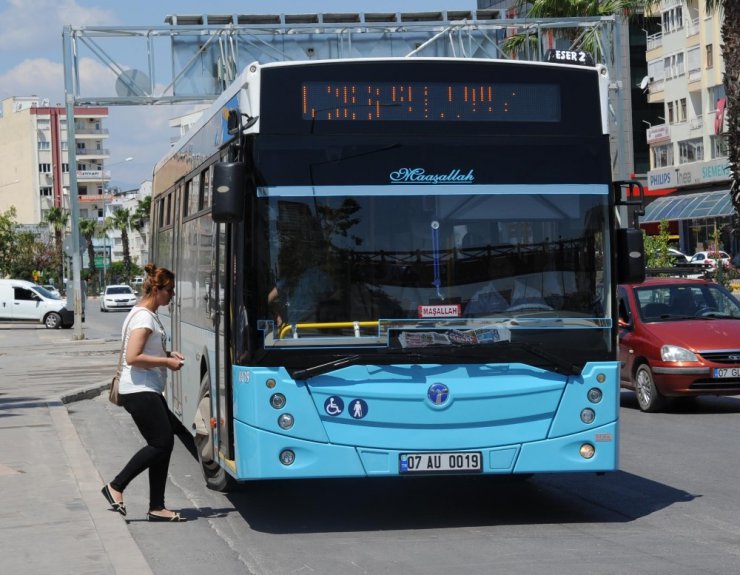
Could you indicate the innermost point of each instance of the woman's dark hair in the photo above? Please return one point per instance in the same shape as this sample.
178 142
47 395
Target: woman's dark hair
157 277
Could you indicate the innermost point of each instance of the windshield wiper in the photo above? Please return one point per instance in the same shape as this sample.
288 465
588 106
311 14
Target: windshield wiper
309 372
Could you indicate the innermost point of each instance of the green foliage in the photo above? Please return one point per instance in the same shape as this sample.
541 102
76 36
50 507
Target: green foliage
7 240
21 253
656 247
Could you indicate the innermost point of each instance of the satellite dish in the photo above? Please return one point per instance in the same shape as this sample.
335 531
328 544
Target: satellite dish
644 82
132 83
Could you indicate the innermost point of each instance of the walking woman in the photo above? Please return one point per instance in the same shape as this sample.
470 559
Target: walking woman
141 387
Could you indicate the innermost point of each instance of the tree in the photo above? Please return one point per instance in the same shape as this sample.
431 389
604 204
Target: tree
121 221
88 228
581 38
7 240
57 219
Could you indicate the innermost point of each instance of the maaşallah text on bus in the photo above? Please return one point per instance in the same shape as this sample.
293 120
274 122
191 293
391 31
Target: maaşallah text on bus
382 273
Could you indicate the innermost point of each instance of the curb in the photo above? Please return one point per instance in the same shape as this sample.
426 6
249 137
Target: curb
122 550
82 393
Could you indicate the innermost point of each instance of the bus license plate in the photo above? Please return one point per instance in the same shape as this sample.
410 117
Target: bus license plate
449 462
721 372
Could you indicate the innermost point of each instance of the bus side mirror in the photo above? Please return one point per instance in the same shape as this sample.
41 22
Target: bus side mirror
229 191
630 256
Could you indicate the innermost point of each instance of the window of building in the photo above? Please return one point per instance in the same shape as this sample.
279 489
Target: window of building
45 191
691 151
662 155
715 93
669 109
65 168
710 56
45 168
682 110
672 19
719 146
44 146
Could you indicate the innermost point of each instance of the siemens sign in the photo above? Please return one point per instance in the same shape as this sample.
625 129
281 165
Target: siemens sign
693 174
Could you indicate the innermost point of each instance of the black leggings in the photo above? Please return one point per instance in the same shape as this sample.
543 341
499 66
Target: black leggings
153 418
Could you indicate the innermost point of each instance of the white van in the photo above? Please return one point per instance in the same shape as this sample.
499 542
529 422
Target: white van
22 300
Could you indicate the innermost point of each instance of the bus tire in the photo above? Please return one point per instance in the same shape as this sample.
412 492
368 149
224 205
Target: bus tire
215 476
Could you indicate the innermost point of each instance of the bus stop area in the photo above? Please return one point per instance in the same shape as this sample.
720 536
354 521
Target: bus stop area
53 518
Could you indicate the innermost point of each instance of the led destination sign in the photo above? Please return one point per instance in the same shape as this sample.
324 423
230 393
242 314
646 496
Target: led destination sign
430 101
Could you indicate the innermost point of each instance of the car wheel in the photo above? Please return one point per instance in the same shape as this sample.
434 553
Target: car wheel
215 475
648 397
53 320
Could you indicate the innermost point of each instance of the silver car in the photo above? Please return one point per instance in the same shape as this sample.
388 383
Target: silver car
117 297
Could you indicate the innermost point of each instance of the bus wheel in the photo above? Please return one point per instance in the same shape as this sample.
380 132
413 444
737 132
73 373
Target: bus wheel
215 475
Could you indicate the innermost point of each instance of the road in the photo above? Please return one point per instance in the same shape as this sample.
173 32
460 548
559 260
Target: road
674 508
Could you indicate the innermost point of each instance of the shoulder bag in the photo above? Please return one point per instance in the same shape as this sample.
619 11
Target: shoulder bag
113 395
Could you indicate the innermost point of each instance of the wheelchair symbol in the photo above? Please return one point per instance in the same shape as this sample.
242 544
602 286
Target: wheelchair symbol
334 406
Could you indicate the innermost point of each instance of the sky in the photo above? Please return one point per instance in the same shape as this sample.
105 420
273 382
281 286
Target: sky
31 59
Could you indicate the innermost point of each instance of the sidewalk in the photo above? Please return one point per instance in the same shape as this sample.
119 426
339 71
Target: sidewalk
53 518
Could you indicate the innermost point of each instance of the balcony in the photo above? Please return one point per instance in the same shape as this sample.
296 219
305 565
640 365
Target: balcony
654 41
692 27
93 153
87 131
696 123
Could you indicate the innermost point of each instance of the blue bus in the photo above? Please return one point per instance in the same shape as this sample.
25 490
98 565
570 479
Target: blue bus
397 267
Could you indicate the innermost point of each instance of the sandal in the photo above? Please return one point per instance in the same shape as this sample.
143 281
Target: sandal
119 506
168 519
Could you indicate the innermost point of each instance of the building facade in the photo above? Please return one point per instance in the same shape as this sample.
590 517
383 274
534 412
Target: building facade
34 165
689 176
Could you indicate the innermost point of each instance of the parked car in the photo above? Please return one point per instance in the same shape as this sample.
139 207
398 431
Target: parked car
52 290
117 297
707 259
677 257
678 338
22 300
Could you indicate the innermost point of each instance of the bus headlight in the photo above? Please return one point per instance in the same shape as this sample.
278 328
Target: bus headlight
587 451
287 457
277 400
588 415
285 421
594 395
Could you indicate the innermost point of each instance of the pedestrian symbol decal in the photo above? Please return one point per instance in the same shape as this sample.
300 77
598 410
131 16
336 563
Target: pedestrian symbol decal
357 408
334 406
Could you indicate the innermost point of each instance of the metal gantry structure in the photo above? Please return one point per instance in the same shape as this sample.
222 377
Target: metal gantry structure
191 59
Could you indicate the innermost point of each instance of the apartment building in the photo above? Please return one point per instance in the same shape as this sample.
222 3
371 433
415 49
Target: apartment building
34 165
689 173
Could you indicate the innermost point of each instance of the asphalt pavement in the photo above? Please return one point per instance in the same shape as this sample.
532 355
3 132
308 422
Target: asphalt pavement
53 518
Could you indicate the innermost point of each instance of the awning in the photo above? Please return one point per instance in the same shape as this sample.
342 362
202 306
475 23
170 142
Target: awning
689 207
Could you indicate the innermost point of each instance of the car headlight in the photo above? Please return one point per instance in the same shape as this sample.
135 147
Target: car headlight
675 353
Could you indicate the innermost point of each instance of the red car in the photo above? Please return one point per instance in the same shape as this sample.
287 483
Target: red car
678 337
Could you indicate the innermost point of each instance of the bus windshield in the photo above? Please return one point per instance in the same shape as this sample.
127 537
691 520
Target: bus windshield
374 268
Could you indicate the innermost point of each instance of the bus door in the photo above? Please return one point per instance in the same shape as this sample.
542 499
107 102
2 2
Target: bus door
175 310
220 315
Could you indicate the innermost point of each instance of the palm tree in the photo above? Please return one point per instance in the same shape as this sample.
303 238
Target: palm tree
57 219
140 217
121 220
731 57
88 228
